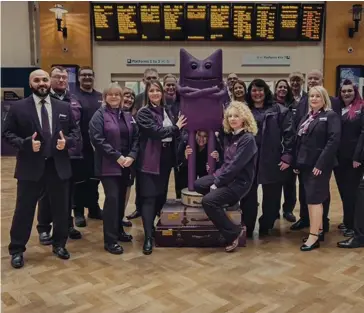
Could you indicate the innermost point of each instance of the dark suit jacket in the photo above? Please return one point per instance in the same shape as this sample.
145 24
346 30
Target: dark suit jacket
319 146
139 101
21 123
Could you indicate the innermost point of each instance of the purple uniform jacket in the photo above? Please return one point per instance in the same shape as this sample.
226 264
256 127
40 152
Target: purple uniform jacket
104 131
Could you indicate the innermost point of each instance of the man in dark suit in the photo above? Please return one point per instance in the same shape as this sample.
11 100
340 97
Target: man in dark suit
42 130
314 78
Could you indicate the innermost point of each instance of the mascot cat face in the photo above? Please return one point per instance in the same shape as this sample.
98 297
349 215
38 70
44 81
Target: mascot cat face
200 74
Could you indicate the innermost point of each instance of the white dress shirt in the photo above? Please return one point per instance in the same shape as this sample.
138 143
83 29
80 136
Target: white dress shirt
48 105
166 123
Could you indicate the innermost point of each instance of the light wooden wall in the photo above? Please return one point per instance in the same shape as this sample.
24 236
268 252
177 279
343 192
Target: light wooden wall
78 43
337 40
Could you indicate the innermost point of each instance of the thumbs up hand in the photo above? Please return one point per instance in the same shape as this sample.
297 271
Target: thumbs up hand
61 143
35 143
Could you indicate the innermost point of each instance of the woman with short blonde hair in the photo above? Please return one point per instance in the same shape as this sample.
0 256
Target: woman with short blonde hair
324 95
243 110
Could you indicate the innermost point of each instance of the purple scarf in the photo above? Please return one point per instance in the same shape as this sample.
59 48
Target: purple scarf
306 124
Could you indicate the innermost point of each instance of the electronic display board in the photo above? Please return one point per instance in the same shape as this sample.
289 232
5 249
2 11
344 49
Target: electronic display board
151 27
127 21
288 21
215 21
266 18
242 21
173 21
104 21
196 21
220 20
312 20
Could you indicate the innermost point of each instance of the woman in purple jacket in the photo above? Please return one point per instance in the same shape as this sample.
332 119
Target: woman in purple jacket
158 154
233 180
114 135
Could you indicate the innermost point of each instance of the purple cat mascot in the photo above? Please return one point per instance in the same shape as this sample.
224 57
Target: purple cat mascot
202 92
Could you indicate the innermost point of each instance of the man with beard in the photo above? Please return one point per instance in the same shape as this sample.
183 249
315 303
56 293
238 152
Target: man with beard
42 129
90 101
314 78
59 86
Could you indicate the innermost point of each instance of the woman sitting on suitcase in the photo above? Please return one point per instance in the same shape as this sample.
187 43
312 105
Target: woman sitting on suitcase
234 178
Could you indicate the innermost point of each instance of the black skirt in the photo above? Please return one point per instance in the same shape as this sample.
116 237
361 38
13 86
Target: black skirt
317 188
150 185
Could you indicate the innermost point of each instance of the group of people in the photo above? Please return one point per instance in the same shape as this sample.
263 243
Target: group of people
67 143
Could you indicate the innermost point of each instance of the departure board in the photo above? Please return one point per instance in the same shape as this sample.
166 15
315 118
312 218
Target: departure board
288 21
242 16
220 19
173 19
266 17
312 20
104 22
127 21
196 22
150 21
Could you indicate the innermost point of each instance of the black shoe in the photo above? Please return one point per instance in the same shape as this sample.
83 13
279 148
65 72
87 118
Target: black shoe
134 215
316 245
349 233
113 248
80 221
61 252
124 237
126 223
74 233
264 232
45 239
17 260
321 236
351 243
300 224
289 217
341 226
148 246
95 214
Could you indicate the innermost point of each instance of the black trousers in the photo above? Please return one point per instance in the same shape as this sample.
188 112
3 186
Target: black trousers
114 206
304 215
213 202
150 206
359 212
89 192
270 206
28 193
348 180
289 192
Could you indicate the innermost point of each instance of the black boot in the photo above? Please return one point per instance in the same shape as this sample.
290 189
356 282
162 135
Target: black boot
148 245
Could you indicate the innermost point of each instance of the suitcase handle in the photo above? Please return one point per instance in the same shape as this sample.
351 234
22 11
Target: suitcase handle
201 237
200 219
195 202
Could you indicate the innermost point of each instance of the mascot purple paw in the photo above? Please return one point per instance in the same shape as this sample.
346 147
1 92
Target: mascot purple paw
202 93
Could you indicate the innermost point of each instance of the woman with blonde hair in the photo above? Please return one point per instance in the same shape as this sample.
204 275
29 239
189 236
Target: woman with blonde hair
114 135
234 178
317 142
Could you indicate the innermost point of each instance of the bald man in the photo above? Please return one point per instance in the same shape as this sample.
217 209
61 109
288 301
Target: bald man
42 129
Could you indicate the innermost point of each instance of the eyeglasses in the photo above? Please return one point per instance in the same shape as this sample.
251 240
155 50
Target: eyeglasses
87 75
59 77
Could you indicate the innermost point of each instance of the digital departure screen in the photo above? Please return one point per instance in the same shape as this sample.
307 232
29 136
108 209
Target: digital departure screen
150 21
214 21
104 22
196 22
173 19
289 21
220 20
242 20
127 17
266 17
312 21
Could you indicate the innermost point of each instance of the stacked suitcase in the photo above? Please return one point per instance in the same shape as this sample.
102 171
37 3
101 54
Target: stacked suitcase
185 224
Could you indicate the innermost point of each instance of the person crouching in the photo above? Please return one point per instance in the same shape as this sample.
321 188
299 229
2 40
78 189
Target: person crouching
234 178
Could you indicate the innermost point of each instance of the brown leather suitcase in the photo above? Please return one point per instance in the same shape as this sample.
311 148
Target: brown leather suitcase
177 214
191 236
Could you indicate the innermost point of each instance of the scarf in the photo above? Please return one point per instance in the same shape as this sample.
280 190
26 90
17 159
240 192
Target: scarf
306 124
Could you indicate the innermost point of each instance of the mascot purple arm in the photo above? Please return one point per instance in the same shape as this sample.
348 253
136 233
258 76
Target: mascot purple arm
202 92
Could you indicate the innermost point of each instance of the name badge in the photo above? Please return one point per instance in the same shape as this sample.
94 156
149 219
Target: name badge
358 111
323 118
62 116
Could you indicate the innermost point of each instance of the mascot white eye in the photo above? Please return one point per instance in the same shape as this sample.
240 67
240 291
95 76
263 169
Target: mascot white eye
194 65
208 65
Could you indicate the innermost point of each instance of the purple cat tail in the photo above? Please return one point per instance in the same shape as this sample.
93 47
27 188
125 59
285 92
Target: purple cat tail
192 161
211 148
